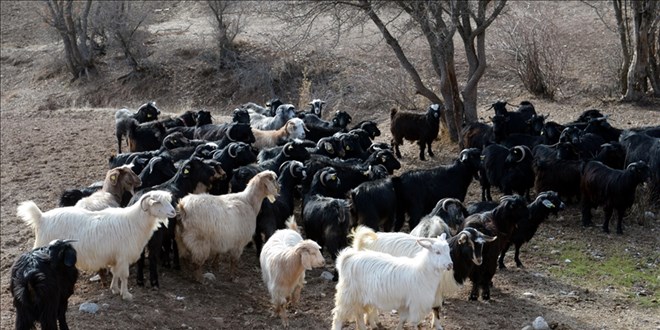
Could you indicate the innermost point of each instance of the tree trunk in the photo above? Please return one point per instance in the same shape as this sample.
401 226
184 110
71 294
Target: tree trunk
620 12
638 73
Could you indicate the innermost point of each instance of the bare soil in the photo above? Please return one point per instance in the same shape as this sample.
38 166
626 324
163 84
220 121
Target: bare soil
52 139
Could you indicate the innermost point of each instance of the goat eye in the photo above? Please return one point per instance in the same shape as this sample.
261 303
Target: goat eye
186 171
148 115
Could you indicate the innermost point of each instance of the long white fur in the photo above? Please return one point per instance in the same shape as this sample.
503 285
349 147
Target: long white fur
284 259
431 227
403 245
370 280
113 189
212 225
293 129
112 237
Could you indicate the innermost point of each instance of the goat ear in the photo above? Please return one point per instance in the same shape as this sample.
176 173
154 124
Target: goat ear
488 238
69 257
425 243
306 259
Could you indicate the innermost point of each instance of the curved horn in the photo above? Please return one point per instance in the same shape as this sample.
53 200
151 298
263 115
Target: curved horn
69 240
229 150
228 133
444 204
294 163
322 178
522 151
284 165
286 146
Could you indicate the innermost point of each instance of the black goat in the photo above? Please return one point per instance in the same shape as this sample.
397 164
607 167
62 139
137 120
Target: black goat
370 126
294 150
42 281
146 112
235 155
319 128
446 217
373 204
560 175
642 147
508 169
602 128
202 118
587 144
145 137
500 223
476 135
515 121
418 191
611 188
326 219
422 128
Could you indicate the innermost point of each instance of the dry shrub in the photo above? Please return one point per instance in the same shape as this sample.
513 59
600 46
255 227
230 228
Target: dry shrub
535 52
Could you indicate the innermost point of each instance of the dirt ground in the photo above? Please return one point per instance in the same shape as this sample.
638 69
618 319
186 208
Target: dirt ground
47 148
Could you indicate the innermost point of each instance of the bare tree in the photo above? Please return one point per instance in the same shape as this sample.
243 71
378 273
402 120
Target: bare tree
123 22
71 20
227 23
638 26
437 22
535 52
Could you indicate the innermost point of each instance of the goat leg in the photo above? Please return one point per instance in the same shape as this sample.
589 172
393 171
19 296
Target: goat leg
140 270
517 256
500 261
619 225
422 145
608 215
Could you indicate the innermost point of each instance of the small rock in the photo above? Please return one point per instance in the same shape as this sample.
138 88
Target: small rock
179 298
95 278
648 215
209 276
568 261
529 327
540 324
529 295
105 305
555 252
89 307
326 275
219 320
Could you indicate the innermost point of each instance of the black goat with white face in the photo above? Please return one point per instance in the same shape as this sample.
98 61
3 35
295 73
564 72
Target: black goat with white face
42 281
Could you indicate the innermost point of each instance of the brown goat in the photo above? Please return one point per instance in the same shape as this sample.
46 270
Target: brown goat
422 128
117 181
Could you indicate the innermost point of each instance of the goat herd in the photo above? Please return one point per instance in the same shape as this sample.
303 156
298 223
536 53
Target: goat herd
191 188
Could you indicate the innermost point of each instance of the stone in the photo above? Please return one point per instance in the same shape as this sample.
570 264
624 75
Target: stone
89 307
540 324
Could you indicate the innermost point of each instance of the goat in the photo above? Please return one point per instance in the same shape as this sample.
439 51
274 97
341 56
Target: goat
611 188
269 110
146 112
235 155
476 135
145 137
446 217
211 225
509 169
319 128
294 150
640 146
293 129
284 259
111 237
326 219
422 128
283 113
194 176
418 191
374 280
373 204
500 223
42 281
117 181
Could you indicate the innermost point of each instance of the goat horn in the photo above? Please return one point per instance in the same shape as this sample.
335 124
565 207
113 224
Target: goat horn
286 146
444 204
69 240
284 165
522 150
234 146
228 133
322 178
293 162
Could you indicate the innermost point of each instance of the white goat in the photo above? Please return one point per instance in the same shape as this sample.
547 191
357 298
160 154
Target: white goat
112 237
117 181
431 226
283 113
212 225
293 129
284 259
370 280
403 245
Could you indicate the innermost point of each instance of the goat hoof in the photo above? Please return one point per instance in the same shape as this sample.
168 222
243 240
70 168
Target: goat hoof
485 296
473 297
140 282
587 224
502 266
619 232
155 285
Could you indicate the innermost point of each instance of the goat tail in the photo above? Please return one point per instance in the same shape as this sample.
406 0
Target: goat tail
393 113
30 213
362 236
291 224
